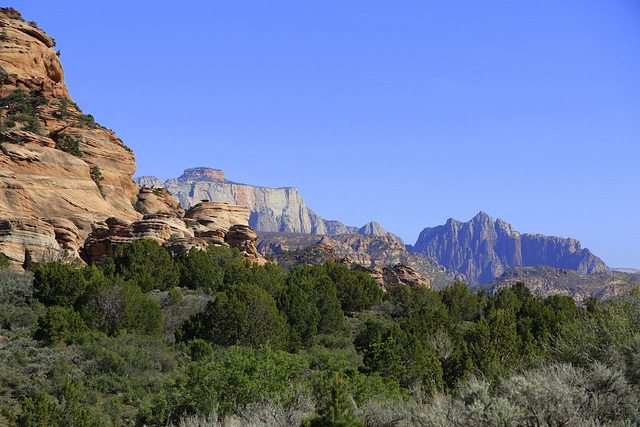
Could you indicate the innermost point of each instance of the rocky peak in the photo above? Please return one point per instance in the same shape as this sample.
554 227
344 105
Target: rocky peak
483 249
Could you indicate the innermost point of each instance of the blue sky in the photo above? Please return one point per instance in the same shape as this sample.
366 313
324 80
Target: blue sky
401 112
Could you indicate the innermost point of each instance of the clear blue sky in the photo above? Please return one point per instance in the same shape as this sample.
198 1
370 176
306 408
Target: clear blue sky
401 112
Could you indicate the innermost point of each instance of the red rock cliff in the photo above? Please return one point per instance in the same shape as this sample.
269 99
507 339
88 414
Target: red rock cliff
56 163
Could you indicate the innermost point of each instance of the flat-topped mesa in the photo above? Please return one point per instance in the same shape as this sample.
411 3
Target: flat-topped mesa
56 163
203 174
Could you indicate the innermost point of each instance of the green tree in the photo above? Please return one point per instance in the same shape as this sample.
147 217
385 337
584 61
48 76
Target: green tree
198 271
338 411
146 264
57 324
58 284
356 290
461 302
494 343
245 315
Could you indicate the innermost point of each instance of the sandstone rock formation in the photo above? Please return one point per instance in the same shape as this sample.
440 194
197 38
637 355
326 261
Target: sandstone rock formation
158 201
483 249
272 209
226 225
56 164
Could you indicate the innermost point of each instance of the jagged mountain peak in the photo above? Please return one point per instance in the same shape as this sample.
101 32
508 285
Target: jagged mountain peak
482 249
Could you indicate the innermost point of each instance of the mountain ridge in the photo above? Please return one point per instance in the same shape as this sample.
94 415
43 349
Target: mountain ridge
483 249
272 209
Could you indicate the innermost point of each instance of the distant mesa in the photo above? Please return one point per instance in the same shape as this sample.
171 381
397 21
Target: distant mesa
272 209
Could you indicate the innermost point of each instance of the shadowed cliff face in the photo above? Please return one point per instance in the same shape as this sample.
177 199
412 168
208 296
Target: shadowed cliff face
483 249
56 164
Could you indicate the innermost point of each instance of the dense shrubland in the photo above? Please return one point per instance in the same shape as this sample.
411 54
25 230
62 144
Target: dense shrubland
208 338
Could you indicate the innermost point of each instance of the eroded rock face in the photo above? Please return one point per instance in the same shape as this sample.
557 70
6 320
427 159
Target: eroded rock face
395 275
87 178
157 201
23 237
215 215
227 226
483 249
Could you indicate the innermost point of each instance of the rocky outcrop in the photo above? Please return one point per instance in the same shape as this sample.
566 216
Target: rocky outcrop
158 201
24 238
208 224
395 275
272 209
372 252
215 215
57 166
482 249
545 281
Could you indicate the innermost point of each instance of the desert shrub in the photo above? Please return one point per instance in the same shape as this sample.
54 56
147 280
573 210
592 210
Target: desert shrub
4 262
57 325
175 313
122 306
18 307
96 176
47 411
69 145
236 377
596 336
611 399
86 120
131 364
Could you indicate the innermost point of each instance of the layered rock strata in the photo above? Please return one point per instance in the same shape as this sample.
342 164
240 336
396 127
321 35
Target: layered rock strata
226 227
57 166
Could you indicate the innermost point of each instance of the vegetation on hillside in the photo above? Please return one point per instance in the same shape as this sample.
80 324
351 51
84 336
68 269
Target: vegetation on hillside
142 339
